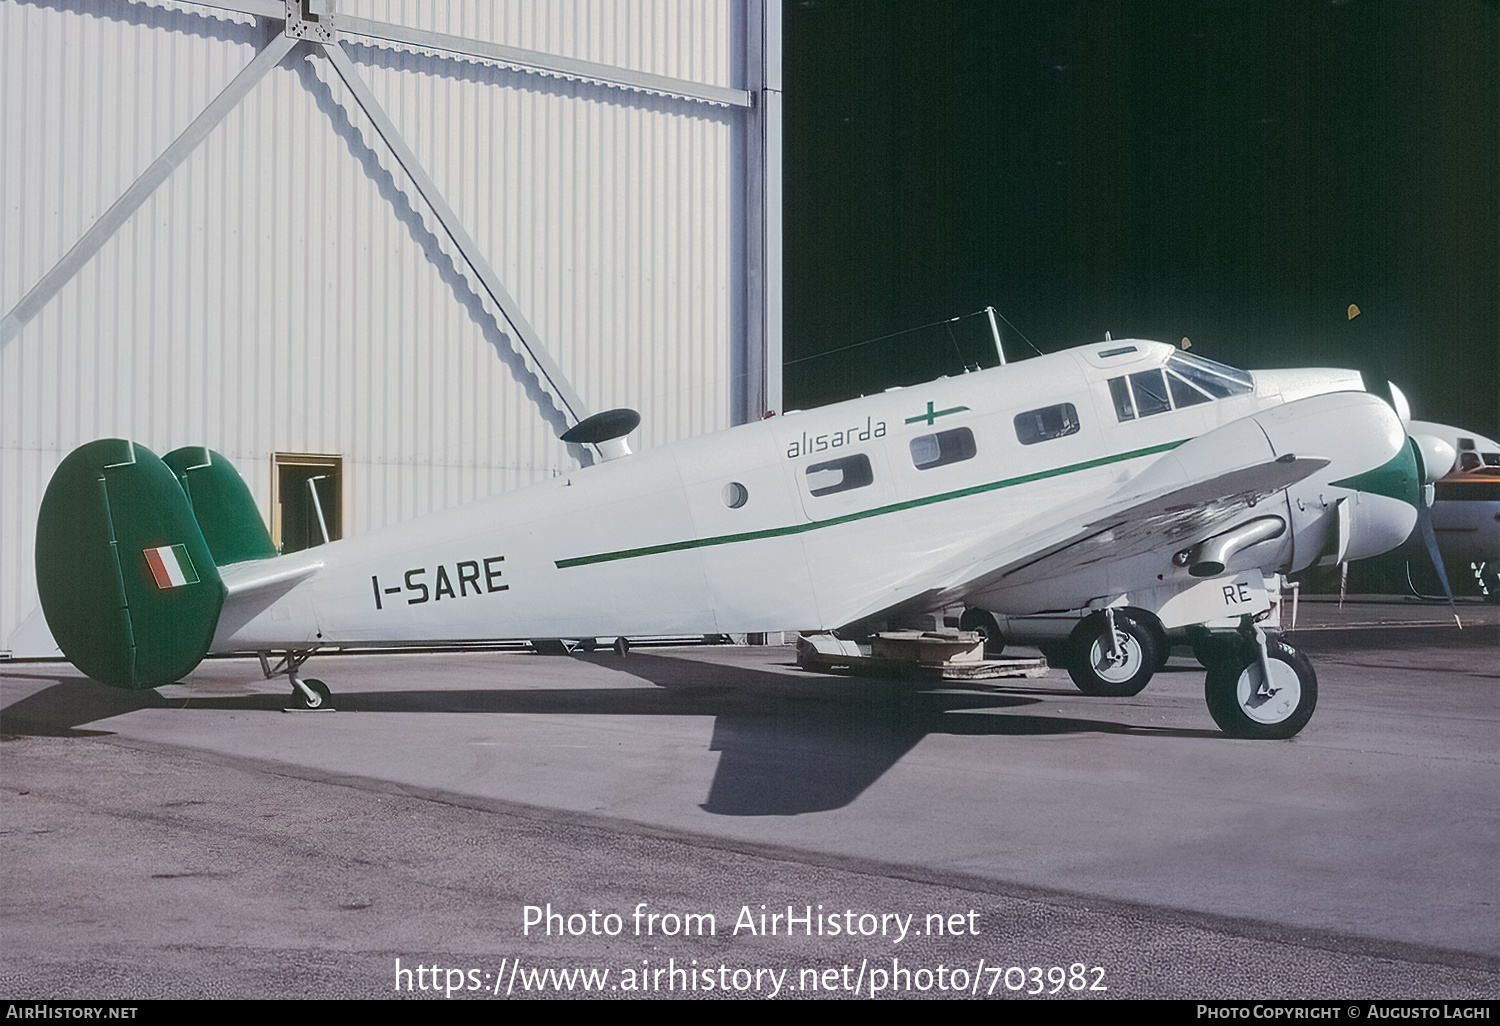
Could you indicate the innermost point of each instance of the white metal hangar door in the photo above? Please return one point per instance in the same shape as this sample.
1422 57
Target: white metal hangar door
410 240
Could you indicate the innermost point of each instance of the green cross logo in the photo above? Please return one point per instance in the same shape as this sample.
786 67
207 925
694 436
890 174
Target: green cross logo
932 415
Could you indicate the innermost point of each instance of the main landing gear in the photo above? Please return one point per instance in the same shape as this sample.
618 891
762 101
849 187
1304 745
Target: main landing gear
309 693
1110 653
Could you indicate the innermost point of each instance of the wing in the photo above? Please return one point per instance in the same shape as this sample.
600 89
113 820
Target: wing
1151 517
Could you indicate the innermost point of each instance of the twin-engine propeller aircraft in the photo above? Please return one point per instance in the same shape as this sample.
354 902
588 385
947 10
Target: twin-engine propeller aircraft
1145 487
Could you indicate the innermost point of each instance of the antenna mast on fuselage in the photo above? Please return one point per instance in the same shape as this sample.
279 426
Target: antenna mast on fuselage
995 331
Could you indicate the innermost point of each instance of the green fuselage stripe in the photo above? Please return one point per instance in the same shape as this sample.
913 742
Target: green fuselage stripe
895 507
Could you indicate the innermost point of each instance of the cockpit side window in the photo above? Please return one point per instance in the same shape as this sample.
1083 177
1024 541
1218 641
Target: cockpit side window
1150 392
1120 392
1185 393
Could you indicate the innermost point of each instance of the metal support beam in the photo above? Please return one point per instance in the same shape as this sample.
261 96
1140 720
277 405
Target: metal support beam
763 213
258 8
144 185
568 400
543 63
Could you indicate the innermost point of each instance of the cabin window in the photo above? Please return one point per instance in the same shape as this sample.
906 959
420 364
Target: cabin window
840 475
736 495
1045 424
942 448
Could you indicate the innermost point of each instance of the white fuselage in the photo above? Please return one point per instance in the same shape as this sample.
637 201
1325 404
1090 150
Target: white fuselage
728 532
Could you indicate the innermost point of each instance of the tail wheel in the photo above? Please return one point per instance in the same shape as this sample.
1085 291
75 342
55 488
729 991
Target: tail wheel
983 621
1244 704
1115 669
322 699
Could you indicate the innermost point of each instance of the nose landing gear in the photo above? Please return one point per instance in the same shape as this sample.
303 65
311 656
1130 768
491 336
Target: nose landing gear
1260 688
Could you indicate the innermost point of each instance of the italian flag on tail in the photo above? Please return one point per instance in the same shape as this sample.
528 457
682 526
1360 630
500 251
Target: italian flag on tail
171 566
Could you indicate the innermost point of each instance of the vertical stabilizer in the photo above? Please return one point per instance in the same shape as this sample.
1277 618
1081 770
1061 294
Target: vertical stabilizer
128 586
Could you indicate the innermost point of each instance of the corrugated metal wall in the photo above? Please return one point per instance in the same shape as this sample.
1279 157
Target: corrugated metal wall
286 290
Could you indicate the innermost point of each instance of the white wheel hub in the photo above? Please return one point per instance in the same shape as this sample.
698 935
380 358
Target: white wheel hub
1271 703
1120 665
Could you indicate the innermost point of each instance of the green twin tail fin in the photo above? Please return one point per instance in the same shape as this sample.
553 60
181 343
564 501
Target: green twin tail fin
128 584
222 505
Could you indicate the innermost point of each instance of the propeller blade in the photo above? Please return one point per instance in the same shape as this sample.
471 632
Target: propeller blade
1429 536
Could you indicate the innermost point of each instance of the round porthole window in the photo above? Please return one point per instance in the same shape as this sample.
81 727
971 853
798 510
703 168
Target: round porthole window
735 495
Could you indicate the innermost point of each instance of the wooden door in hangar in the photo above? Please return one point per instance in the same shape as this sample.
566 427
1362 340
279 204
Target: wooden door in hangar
308 500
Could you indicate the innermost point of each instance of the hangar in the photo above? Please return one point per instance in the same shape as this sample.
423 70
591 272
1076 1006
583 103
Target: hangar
379 253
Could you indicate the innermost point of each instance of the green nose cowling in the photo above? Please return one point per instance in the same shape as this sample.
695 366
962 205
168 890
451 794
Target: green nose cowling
1400 477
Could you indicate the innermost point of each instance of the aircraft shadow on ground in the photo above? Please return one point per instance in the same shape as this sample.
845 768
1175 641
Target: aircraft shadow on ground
789 743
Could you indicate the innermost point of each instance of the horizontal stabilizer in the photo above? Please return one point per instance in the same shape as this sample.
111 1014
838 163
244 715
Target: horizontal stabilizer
249 578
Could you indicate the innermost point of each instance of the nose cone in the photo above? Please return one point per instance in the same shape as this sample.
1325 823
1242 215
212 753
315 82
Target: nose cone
1438 456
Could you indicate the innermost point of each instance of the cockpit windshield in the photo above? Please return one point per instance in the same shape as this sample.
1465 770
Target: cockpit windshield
1215 379
1184 381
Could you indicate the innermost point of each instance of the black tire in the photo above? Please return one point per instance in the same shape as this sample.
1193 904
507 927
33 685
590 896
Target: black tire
1055 652
1158 633
983 621
1232 690
324 697
1210 648
1093 667
1163 647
